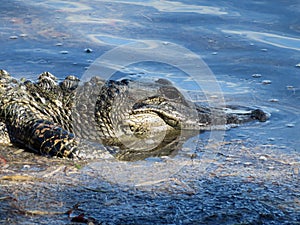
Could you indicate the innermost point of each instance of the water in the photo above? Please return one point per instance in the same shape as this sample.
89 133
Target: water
259 167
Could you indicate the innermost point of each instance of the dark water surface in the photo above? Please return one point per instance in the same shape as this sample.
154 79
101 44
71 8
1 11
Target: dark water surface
252 179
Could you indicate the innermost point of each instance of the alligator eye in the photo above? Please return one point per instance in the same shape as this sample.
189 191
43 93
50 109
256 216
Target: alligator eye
131 128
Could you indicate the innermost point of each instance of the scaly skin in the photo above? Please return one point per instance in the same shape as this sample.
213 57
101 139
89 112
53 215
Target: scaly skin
48 118
31 113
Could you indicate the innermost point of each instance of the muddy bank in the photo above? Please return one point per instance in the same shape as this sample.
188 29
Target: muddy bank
235 184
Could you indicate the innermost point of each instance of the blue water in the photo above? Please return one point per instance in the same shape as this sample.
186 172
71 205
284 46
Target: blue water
235 39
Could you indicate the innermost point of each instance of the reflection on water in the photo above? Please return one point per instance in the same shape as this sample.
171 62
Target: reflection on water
268 38
65 6
174 6
164 6
109 40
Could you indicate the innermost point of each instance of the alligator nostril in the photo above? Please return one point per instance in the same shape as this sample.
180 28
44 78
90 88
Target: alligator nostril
259 115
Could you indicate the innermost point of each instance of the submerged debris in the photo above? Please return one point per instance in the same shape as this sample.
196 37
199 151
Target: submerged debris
266 82
290 125
273 100
88 50
256 75
64 52
13 37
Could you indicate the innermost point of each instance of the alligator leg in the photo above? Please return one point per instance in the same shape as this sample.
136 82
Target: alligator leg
38 135
27 123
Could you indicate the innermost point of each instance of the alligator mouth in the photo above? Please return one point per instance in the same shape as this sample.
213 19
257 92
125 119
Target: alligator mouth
175 114
171 119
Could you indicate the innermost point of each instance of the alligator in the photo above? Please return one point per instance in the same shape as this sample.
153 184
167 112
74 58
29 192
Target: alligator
126 117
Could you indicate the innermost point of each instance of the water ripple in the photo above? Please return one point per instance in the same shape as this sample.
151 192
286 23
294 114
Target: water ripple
173 6
271 39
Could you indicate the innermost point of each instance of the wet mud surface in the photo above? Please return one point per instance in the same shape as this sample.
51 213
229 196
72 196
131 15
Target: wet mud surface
251 176
236 184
